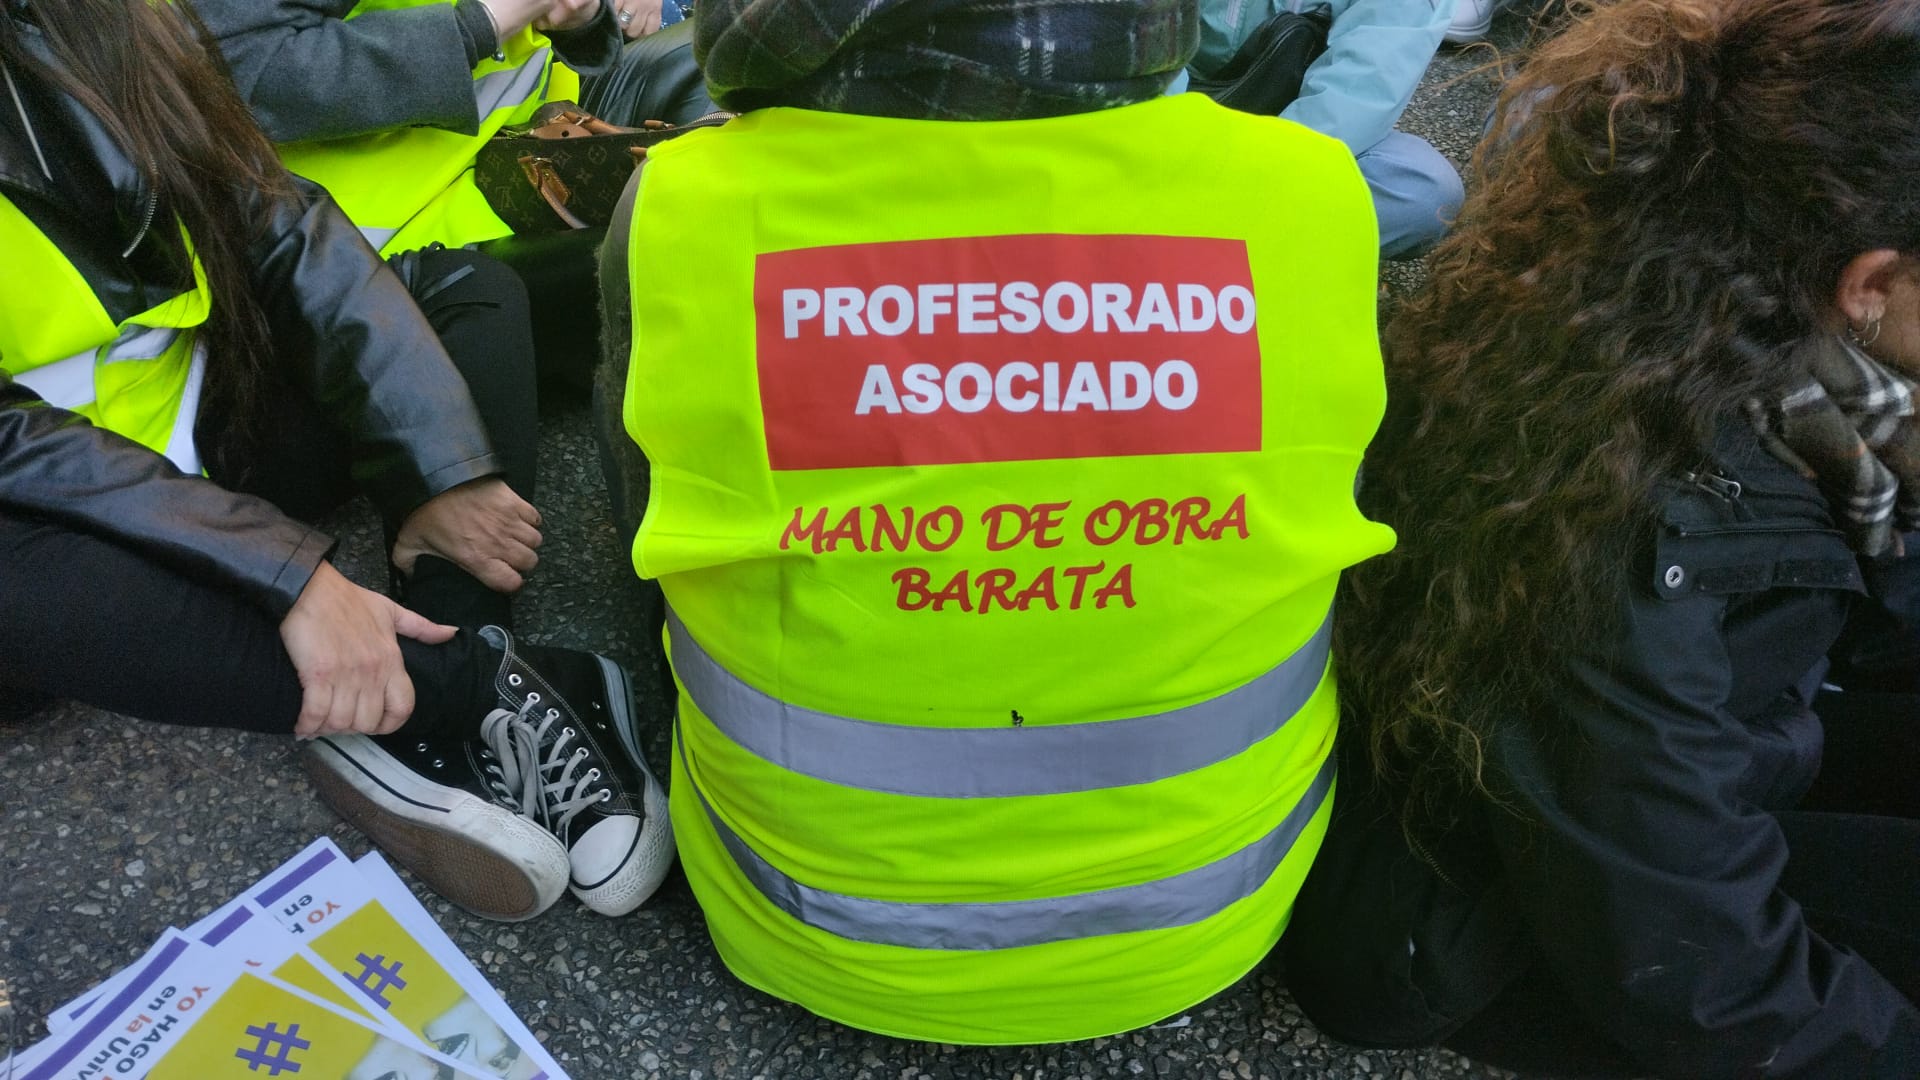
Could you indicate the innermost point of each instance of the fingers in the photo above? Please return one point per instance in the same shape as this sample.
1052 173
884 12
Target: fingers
316 701
372 694
370 705
525 535
528 513
472 524
637 18
341 641
412 624
521 556
399 701
498 575
358 689
405 555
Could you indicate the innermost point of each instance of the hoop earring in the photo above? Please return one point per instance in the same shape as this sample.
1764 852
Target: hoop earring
1867 337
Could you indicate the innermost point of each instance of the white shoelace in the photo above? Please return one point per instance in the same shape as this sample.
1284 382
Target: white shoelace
546 789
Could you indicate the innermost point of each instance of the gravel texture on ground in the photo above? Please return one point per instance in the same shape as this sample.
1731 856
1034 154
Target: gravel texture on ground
112 830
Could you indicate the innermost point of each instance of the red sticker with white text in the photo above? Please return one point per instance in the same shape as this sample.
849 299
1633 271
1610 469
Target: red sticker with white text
1006 348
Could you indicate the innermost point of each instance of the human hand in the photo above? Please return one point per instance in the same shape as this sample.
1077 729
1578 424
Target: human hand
482 526
512 16
342 640
569 14
637 18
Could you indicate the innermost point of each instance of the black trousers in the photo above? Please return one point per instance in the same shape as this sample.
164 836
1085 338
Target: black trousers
90 620
1853 866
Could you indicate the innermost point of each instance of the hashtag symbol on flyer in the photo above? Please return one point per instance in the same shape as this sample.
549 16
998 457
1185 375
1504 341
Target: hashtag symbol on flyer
282 1045
374 968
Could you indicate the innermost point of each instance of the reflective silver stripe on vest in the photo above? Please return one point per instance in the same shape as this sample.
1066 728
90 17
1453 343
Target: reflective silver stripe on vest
181 448
63 384
141 343
68 384
1180 900
496 90
1033 759
508 87
378 237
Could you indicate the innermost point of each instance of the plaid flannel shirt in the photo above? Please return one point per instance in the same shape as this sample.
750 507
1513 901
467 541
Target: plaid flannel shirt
943 59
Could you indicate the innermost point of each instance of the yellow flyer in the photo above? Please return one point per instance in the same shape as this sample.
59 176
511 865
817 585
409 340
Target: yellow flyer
257 1029
382 946
191 1012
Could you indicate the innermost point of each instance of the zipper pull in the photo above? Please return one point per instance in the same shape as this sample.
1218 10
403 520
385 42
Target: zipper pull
1715 484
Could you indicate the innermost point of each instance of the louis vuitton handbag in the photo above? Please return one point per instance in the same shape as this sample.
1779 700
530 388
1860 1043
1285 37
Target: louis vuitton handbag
567 171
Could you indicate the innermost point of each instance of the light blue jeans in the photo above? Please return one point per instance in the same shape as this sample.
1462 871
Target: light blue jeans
1416 193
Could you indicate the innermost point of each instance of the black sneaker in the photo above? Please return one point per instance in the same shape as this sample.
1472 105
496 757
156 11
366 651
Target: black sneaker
443 811
564 738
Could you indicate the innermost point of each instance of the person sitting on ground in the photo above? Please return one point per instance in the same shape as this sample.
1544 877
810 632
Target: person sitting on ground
198 356
427 84
1355 91
1599 815
998 491
386 104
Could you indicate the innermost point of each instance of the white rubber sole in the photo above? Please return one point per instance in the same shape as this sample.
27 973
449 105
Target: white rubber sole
1467 35
651 853
481 856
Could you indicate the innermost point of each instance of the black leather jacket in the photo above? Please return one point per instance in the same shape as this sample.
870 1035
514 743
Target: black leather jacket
353 337
1640 868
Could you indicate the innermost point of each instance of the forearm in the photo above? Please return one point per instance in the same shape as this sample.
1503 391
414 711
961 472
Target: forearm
57 466
307 72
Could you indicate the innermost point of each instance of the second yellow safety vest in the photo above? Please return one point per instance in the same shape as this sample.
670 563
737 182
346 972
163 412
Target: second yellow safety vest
413 186
1001 477
139 377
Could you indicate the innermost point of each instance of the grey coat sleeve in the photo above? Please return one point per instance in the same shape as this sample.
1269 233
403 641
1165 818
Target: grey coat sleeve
308 72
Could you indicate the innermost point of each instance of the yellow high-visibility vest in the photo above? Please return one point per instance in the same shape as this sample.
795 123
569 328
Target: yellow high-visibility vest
140 377
1001 476
412 186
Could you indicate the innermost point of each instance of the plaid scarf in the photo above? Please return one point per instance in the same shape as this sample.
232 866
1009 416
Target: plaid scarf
942 59
1850 425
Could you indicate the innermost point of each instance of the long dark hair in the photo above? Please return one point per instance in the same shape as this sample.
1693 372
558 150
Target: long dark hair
1665 208
147 71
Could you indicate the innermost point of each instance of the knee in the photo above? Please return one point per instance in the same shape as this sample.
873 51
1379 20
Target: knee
452 276
1417 193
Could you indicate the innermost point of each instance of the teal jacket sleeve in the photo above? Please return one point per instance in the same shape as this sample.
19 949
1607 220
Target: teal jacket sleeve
1376 53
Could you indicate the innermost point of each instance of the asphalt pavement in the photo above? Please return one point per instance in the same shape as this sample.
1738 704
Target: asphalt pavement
112 830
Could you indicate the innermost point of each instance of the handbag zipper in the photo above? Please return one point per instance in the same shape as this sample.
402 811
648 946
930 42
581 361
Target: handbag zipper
1715 484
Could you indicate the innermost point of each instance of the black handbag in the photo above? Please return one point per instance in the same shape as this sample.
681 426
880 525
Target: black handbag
568 169
1265 75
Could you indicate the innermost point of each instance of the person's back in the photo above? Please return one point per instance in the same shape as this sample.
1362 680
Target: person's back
385 103
998 495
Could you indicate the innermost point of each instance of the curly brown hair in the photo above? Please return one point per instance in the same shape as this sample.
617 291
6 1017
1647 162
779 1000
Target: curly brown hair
1665 208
